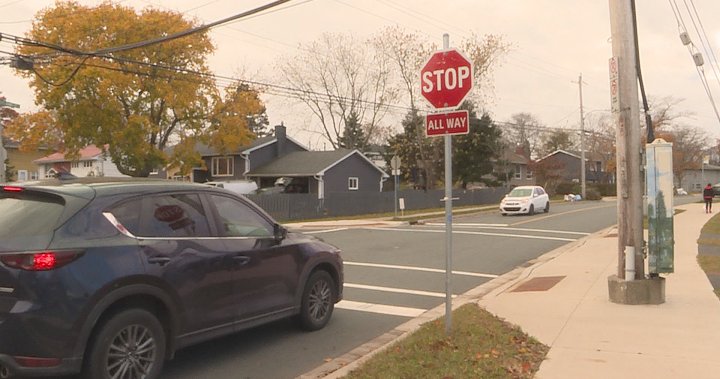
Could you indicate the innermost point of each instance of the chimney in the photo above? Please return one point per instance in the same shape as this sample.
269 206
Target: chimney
280 136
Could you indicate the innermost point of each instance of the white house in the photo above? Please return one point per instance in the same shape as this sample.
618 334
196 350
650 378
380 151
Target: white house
92 161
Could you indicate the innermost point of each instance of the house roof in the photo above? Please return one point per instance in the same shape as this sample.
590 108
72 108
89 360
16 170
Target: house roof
589 156
512 157
89 152
307 163
206 151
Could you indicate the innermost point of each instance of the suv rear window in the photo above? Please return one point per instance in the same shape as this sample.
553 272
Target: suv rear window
28 220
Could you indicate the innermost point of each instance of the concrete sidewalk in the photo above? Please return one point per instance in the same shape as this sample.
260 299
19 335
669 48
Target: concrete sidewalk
590 337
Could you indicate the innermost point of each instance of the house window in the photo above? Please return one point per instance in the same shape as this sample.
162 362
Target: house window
87 163
222 166
22 175
518 173
33 175
528 174
353 183
75 164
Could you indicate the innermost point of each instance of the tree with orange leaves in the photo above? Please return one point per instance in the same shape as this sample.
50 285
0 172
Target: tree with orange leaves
137 101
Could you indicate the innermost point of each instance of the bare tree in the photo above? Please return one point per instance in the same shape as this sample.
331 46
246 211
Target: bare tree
664 112
556 140
337 76
485 53
524 131
600 143
408 52
689 146
689 142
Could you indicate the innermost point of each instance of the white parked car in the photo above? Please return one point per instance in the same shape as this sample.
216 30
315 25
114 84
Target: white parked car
242 187
525 200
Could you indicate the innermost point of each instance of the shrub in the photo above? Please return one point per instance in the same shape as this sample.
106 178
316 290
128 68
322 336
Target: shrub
609 189
592 194
565 188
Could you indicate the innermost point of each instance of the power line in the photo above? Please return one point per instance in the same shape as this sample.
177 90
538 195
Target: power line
703 38
697 56
187 32
154 41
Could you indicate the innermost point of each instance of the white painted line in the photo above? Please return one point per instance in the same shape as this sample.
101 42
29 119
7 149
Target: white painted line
396 290
468 224
411 268
488 226
379 308
324 231
478 234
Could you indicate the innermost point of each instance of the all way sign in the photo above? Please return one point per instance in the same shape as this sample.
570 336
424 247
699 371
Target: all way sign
440 124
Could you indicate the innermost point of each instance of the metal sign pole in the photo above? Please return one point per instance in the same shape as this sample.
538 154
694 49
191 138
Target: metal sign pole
395 166
395 186
448 220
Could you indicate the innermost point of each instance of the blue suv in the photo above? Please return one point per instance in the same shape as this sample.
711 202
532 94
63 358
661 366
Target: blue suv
109 278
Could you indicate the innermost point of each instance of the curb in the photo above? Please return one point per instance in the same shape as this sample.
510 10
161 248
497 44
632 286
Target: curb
344 364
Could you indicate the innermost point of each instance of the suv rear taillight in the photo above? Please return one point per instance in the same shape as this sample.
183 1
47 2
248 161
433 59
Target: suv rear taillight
41 261
12 189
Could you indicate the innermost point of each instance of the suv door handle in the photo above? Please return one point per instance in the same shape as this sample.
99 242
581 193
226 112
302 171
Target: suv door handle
162 261
242 259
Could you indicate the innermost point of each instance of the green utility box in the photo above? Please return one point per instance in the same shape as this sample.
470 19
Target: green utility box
659 179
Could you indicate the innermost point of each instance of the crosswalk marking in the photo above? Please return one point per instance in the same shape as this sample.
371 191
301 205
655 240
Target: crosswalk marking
477 233
413 268
395 290
504 227
380 308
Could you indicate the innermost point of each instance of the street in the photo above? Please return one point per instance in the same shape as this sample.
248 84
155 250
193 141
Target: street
392 275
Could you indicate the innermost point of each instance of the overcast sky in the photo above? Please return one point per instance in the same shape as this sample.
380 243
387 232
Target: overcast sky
553 42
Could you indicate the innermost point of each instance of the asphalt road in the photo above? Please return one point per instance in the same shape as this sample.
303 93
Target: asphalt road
393 274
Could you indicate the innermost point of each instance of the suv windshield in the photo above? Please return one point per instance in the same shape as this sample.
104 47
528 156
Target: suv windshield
27 221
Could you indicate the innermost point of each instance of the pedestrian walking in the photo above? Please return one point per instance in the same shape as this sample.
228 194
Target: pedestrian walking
708 197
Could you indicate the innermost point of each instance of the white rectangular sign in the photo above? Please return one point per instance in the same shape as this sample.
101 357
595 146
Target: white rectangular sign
614 86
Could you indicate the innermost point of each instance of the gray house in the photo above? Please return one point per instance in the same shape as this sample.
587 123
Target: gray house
236 165
566 164
514 168
695 179
283 164
321 172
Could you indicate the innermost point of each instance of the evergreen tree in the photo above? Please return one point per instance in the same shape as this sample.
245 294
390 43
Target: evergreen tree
414 150
475 153
353 135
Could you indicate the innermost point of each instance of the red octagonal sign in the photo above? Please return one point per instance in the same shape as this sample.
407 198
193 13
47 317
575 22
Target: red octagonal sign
446 79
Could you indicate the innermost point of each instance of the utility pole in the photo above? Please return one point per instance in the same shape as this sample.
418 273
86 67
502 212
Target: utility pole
626 111
582 142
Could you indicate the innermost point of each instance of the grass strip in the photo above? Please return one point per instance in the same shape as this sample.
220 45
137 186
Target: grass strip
480 345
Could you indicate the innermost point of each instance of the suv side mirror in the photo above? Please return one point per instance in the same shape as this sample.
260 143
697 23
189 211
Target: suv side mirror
280 232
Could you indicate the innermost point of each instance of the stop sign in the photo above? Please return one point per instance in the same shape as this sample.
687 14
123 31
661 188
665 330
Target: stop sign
446 78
